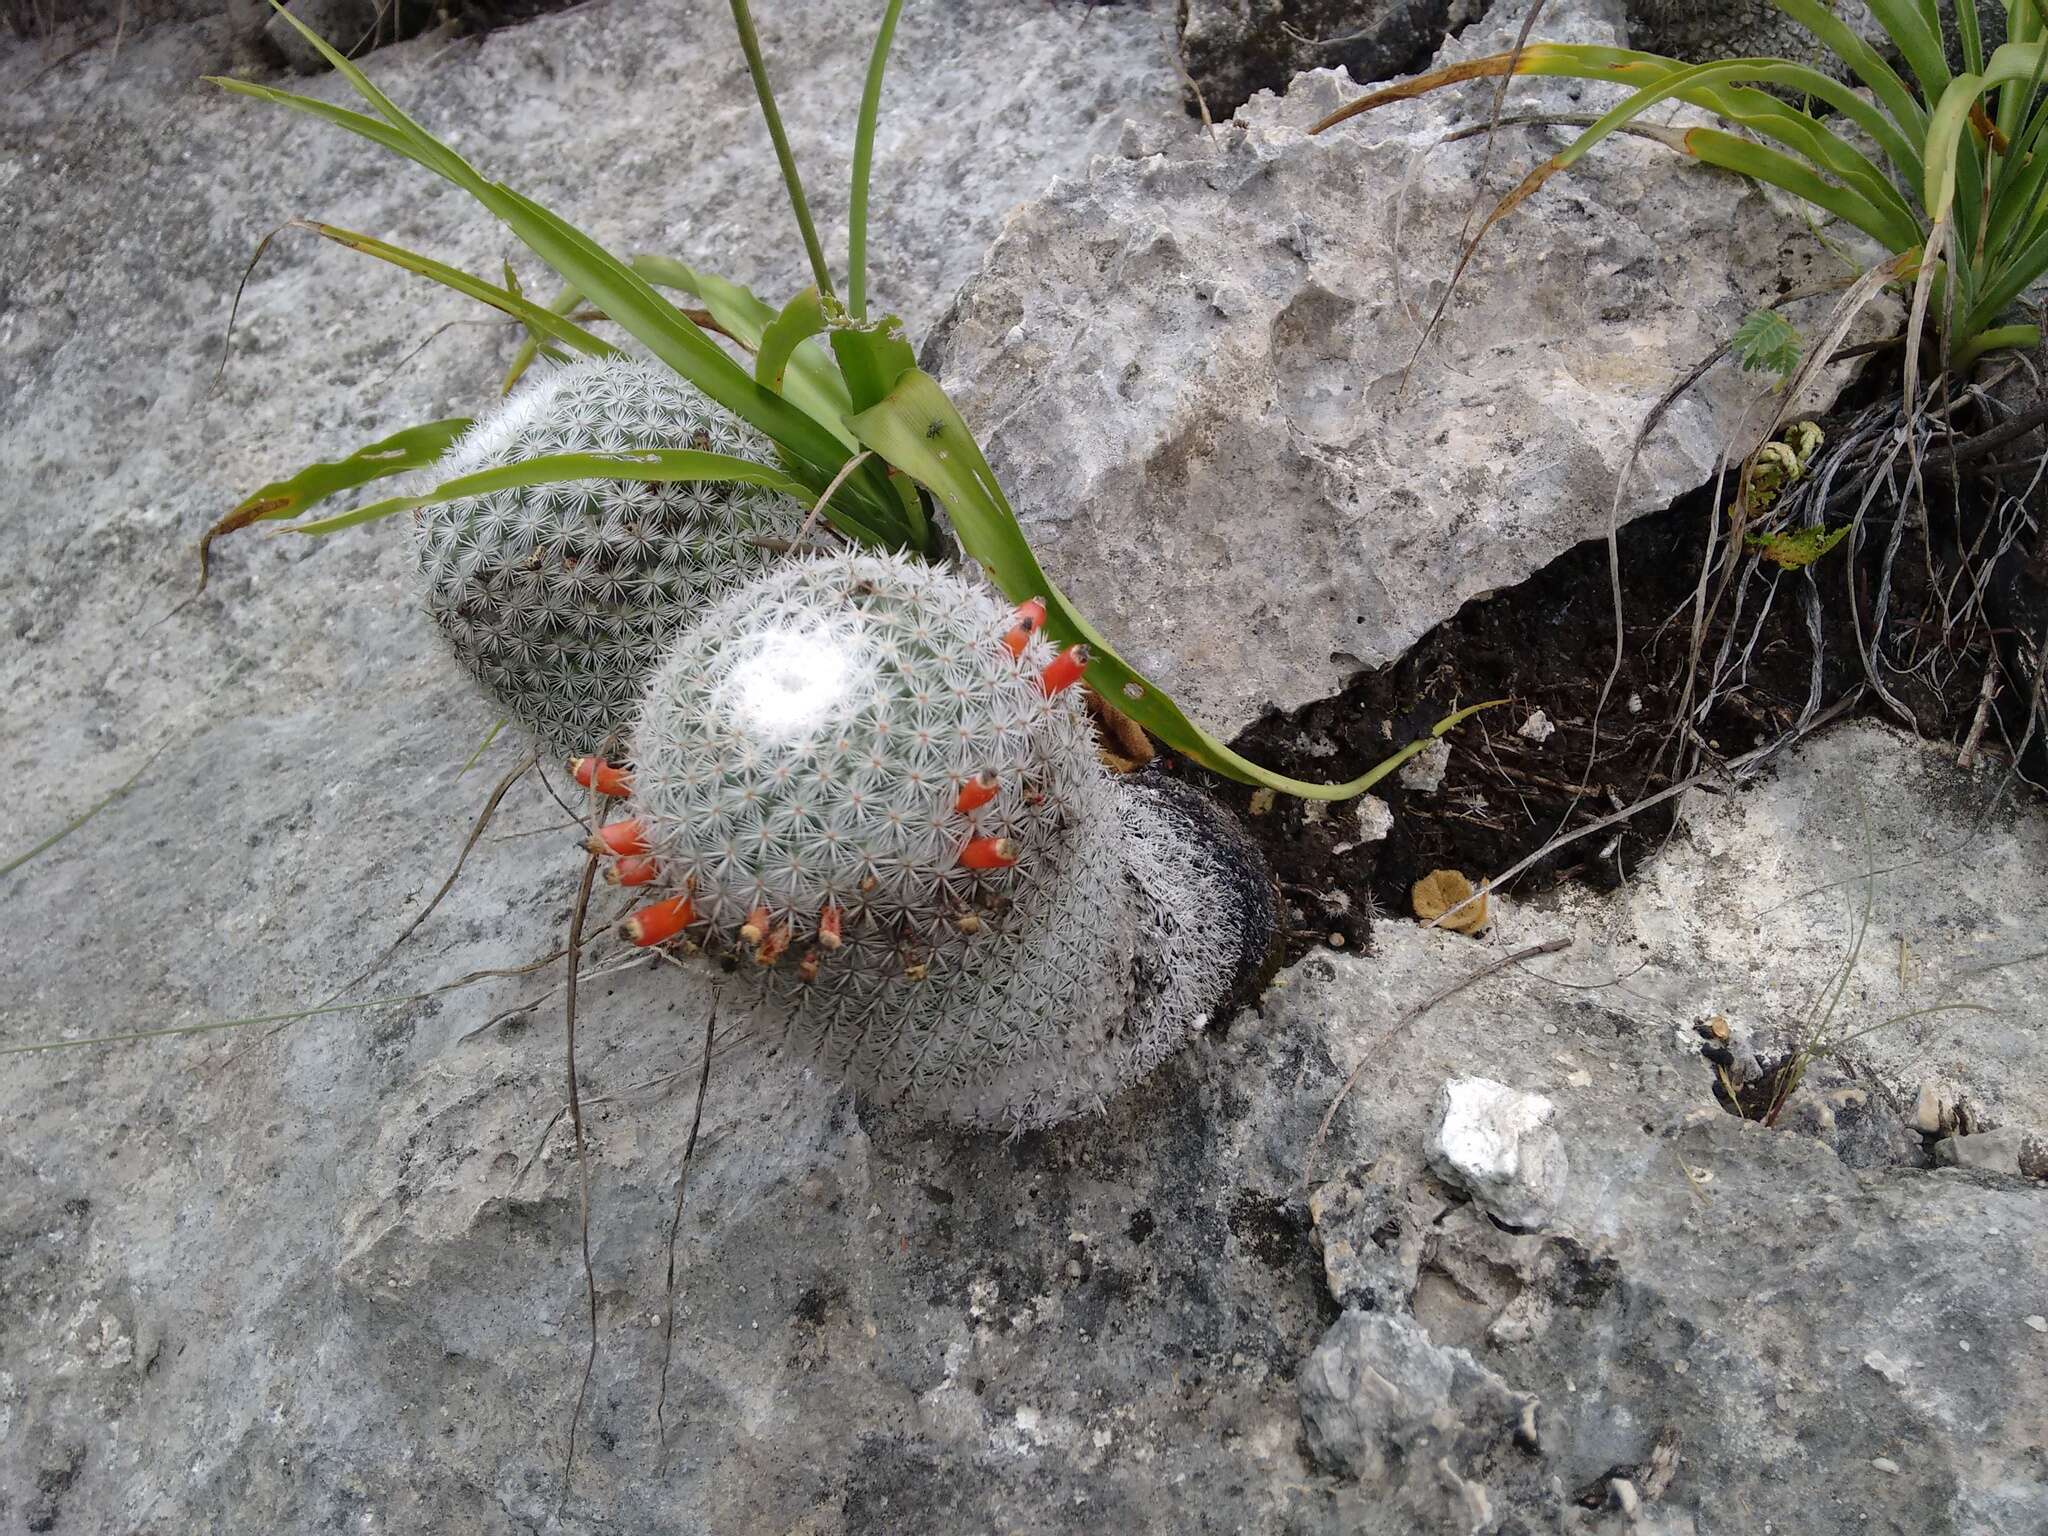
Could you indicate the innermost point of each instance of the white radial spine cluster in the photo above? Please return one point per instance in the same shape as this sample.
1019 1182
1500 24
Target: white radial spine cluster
560 599
877 807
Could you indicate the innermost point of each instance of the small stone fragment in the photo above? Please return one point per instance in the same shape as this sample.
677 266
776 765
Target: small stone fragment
1934 1111
1375 819
1537 728
1988 1151
2038 1323
1424 772
1496 1142
1442 889
1885 1464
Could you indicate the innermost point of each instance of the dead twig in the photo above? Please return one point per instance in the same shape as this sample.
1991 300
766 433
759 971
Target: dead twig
668 1331
582 1155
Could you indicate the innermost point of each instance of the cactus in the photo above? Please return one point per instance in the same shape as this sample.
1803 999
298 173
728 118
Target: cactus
559 599
878 803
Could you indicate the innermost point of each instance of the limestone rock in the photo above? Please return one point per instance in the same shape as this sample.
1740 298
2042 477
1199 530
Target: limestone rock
1191 370
1496 1142
1422 1426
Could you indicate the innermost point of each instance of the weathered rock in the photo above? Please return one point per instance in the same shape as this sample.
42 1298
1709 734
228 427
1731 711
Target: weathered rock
1496 1143
2009 1149
1701 33
329 1275
1232 48
1372 1238
1191 371
1427 1429
352 26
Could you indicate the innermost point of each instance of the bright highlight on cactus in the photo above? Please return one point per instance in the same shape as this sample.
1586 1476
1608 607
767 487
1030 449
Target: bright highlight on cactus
559 599
883 814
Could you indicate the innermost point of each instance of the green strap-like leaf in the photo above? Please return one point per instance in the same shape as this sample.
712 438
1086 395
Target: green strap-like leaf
402 452
657 464
538 320
802 318
611 285
918 430
863 165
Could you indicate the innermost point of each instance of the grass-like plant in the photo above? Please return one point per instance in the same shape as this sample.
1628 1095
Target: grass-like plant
1958 191
863 434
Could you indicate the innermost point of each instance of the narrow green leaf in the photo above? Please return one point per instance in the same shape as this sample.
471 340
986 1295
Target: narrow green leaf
872 357
662 464
483 746
1733 153
1917 36
398 454
863 165
918 430
83 817
1893 94
613 287
355 122
802 318
539 320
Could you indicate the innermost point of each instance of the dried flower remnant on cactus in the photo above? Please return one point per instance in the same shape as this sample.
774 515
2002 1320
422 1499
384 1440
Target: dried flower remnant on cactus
559 599
886 816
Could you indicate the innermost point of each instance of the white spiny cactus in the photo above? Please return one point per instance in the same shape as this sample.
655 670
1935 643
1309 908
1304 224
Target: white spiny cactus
559 599
813 767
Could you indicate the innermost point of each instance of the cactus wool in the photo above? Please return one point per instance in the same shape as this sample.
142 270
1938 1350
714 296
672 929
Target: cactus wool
559 599
875 798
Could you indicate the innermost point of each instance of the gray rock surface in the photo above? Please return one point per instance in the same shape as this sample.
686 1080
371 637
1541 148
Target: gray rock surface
1497 1144
1188 368
1423 1424
1233 48
326 1273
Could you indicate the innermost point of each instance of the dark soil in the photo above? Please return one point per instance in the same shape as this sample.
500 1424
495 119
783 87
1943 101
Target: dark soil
1548 645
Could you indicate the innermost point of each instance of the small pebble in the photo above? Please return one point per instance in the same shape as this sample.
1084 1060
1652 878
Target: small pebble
1885 1464
2038 1323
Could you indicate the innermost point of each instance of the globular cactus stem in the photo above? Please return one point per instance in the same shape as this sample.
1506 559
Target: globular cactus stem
881 802
560 599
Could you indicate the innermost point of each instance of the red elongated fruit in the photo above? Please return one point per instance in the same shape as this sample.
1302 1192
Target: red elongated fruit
1064 670
638 869
831 927
623 838
755 928
976 792
595 773
662 921
1030 620
988 853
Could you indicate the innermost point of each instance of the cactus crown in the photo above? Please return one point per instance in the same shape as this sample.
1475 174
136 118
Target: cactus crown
799 767
559 599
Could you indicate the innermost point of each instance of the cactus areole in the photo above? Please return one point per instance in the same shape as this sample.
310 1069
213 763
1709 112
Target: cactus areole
559 599
910 846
